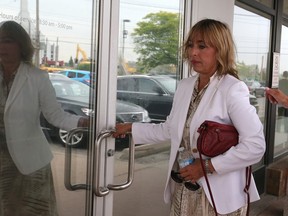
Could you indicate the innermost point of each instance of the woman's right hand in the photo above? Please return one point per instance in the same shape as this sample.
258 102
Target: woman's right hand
121 129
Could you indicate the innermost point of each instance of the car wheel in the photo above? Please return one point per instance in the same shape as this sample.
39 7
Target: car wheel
77 140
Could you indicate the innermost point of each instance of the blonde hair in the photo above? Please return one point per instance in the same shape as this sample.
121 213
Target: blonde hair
215 34
19 34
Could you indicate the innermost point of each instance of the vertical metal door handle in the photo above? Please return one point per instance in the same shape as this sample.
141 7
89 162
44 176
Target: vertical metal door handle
68 157
131 164
103 191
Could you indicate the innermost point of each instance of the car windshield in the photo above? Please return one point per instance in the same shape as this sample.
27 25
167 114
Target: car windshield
168 83
248 83
253 84
68 88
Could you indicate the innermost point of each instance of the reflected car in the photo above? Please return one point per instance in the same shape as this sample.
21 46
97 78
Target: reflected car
153 93
74 98
255 88
78 75
254 102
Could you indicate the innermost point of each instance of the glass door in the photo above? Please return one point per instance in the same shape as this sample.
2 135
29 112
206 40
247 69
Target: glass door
73 45
95 53
149 65
253 63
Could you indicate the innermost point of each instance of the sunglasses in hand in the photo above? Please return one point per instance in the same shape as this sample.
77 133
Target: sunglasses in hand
189 185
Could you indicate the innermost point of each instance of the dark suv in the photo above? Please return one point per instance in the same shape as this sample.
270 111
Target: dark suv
154 93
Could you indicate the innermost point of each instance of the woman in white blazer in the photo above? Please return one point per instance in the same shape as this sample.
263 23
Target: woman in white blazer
215 93
25 155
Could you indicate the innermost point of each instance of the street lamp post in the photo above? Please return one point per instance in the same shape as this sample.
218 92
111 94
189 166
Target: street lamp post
124 36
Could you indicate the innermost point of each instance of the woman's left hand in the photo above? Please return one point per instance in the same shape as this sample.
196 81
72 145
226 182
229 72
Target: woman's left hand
192 172
121 130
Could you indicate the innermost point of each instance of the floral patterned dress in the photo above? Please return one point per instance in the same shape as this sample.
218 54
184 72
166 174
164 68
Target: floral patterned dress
22 195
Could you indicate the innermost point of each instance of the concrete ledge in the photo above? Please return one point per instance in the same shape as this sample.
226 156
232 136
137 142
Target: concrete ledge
145 150
276 178
285 209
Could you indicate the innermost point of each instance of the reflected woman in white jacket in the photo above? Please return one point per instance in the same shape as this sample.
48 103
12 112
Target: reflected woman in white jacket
26 183
213 92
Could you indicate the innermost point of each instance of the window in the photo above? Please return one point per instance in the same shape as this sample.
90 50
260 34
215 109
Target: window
252 38
251 32
285 7
126 84
80 75
147 86
71 75
281 129
268 3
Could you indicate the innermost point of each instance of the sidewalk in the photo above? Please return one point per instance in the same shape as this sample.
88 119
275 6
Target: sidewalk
269 205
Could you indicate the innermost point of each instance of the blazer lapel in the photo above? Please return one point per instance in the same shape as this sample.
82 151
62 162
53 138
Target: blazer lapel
20 79
200 113
185 102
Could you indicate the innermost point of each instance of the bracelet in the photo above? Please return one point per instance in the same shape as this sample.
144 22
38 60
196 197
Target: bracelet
207 169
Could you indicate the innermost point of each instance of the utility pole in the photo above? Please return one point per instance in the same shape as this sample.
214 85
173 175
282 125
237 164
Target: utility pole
124 36
37 53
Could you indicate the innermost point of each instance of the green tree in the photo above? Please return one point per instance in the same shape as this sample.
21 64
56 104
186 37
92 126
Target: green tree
84 66
156 40
248 71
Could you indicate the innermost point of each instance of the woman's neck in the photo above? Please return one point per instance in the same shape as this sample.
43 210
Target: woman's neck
204 79
203 82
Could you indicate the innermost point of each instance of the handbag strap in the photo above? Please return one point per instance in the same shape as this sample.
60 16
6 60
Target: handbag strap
208 185
246 188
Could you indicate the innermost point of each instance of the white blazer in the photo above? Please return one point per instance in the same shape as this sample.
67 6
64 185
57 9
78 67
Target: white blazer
226 100
31 94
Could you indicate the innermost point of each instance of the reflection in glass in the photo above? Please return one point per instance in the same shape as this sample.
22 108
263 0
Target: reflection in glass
281 129
251 33
285 7
268 3
55 34
147 70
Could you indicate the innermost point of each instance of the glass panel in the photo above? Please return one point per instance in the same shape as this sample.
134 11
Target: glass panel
268 3
281 133
61 32
285 7
251 33
148 58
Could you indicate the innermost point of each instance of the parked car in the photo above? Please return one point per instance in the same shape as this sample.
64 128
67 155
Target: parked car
57 76
254 102
255 88
74 98
154 93
78 75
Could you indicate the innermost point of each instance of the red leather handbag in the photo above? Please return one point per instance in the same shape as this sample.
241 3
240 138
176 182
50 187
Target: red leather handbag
215 139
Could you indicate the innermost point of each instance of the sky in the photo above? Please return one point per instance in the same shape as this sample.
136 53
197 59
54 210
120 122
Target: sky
69 21
70 25
135 11
251 35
